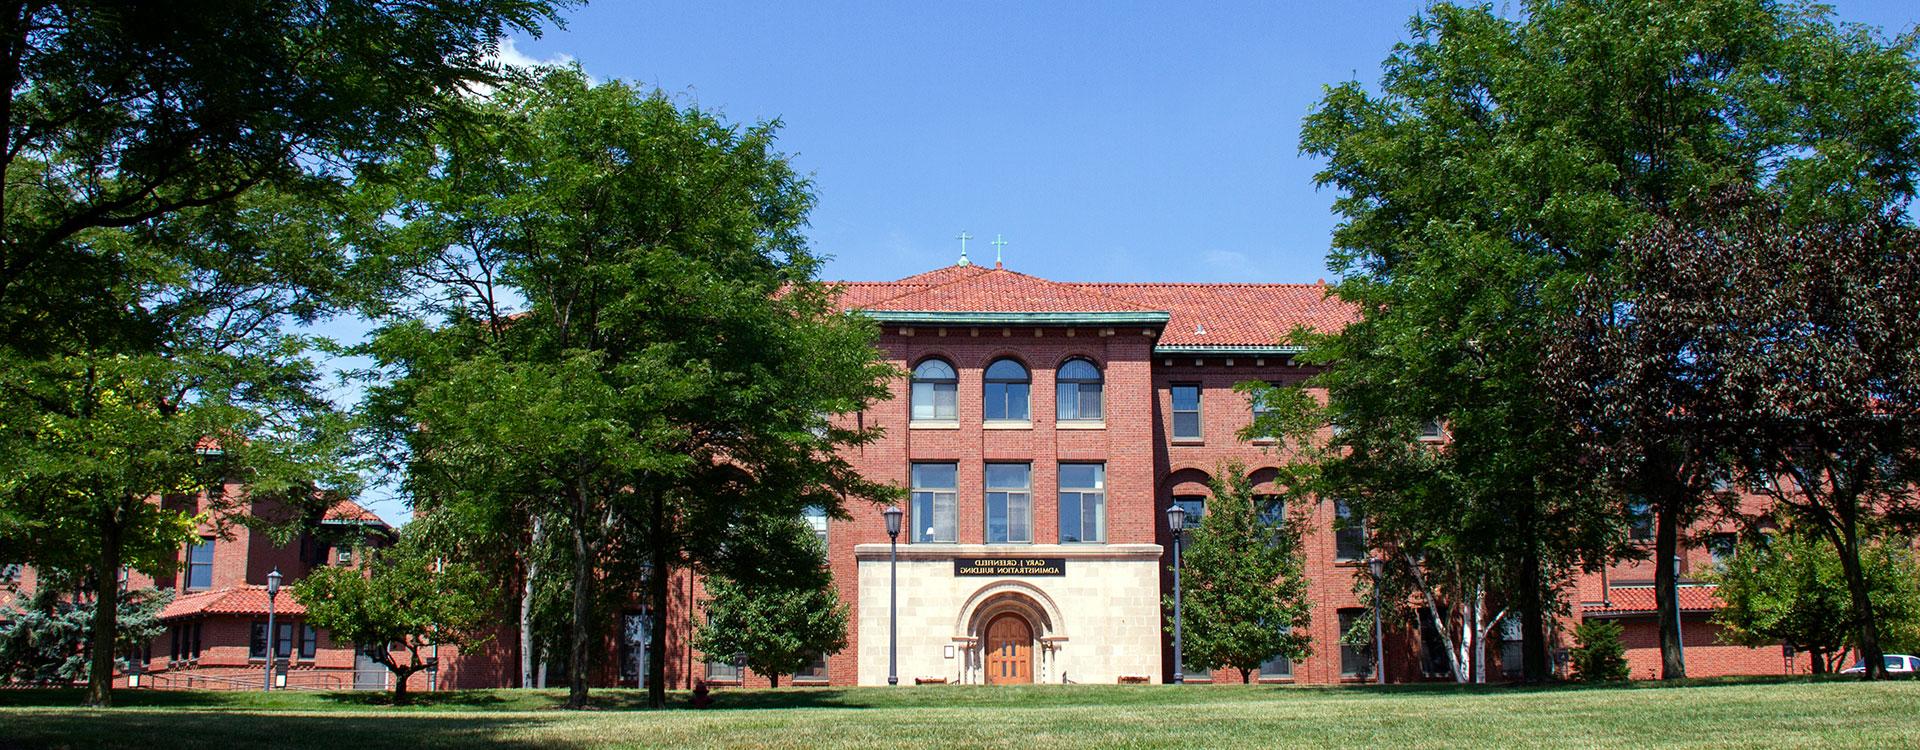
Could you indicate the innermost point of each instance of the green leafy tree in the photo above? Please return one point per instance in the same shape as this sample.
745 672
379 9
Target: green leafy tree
1503 158
1786 348
169 172
1244 581
405 602
775 627
50 639
1789 587
1598 655
611 328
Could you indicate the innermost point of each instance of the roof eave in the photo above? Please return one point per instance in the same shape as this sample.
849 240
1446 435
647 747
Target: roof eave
1228 349
954 317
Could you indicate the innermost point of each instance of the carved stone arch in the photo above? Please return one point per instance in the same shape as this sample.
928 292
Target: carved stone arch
1020 597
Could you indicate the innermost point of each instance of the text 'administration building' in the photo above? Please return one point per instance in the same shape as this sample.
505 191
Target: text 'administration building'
1043 430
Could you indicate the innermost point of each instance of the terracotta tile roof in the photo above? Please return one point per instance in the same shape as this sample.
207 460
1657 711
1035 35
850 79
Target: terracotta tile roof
1223 315
1640 600
1236 314
348 511
237 600
1000 290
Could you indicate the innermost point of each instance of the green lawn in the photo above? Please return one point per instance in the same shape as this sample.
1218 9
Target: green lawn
1717 714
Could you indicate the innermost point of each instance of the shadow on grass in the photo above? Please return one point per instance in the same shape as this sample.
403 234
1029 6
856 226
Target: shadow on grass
606 699
24 728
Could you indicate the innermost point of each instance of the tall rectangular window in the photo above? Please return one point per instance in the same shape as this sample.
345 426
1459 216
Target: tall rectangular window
257 641
1355 660
1009 503
1083 503
1512 657
1640 524
1186 412
309 642
1349 534
1277 667
200 565
1260 407
816 518
934 515
283 644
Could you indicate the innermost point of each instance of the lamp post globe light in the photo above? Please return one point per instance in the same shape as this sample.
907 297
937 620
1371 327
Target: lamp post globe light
1177 524
1375 566
892 514
273 590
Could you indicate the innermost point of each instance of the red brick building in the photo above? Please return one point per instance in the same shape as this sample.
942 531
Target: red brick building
216 624
1041 433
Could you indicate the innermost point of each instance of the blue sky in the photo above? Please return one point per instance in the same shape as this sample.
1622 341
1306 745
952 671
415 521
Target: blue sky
1104 141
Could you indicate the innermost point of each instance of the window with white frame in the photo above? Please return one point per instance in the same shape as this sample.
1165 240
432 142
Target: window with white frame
1077 391
1009 504
934 513
816 518
1186 411
1007 394
1083 503
200 565
936 392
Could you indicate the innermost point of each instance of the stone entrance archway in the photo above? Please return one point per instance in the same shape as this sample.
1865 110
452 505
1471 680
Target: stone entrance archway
995 621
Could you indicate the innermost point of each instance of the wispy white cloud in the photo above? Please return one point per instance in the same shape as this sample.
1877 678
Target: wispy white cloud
510 54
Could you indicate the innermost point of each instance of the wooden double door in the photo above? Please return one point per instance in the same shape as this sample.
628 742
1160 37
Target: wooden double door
1009 650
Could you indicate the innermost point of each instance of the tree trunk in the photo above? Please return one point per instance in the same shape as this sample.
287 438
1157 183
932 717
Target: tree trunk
1849 548
774 680
106 612
1666 590
582 612
1443 625
1534 665
400 687
1246 676
657 590
532 570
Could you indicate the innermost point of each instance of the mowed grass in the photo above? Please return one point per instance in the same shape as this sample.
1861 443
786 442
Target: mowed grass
1706 714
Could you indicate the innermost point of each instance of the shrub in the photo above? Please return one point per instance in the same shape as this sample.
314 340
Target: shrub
1598 655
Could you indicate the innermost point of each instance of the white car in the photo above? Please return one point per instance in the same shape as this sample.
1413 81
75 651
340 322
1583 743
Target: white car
1900 664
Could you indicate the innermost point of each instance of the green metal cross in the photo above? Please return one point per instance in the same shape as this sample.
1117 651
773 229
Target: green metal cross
998 244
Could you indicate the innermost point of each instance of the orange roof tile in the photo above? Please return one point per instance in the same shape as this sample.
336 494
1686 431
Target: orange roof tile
1201 315
1229 315
1000 290
1640 600
348 511
237 600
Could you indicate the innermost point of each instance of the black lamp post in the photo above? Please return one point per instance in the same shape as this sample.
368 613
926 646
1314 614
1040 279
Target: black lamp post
273 590
893 593
1375 566
1177 524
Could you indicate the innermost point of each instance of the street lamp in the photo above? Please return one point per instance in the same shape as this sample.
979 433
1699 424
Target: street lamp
893 593
273 590
1177 523
1374 567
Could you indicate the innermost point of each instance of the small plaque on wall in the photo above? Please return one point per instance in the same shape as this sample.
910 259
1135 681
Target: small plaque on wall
1010 566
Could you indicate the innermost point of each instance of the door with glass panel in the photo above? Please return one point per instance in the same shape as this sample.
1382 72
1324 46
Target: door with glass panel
1009 650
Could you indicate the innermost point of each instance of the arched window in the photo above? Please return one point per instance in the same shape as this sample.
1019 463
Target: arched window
935 391
1008 389
1078 392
